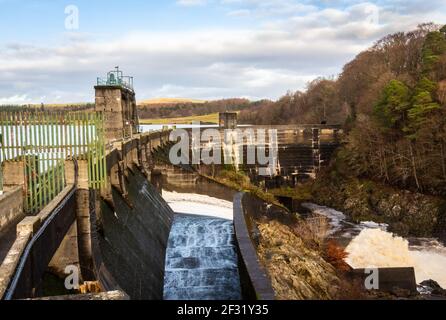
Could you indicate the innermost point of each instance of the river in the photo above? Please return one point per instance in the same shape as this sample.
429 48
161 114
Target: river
370 245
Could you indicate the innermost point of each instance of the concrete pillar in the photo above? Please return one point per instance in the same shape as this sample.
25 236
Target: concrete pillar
13 175
228 120
83 230
336 135
119 107
67 254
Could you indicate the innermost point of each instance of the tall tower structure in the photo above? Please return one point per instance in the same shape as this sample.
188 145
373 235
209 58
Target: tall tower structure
115 97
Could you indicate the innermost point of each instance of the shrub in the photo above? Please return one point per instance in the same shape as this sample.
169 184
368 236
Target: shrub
335 255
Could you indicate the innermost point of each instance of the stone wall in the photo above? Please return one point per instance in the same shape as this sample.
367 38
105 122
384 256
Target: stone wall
119 107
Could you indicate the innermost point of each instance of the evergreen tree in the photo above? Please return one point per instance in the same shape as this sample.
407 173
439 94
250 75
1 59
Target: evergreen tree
391 110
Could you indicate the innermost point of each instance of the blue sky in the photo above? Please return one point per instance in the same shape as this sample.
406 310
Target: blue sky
203 49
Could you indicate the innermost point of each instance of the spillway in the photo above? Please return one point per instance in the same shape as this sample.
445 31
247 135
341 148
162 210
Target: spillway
201 258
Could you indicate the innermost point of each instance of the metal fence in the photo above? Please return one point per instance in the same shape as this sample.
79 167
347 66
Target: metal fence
42 141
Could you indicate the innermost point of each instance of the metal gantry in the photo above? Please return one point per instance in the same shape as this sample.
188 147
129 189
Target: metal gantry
116 78
43 141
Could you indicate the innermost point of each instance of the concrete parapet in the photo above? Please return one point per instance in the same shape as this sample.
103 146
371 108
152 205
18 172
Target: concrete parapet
13 175
46 212
67 254
254 280
28 225
10 263
110 295
11 208
390 279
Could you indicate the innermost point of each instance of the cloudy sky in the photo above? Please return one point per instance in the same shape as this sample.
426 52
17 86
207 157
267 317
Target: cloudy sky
51 51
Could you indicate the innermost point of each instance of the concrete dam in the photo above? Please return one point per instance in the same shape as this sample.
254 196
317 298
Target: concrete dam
132 249
90 203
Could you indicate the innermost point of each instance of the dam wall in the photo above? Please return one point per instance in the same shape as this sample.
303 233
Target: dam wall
134 238
131 223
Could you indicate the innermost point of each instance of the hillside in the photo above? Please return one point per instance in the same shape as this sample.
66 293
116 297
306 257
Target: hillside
392 100
178 109
208 118
156 101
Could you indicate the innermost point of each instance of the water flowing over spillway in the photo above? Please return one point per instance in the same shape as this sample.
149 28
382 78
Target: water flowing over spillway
201 259
369 245
377 248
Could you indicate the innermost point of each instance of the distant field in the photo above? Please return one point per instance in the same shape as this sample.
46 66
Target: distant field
209 118
169 101
61 105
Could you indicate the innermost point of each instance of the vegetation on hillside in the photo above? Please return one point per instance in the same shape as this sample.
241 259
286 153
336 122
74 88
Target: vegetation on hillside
392 100
399 133
187 109
169 100
208 118
321 102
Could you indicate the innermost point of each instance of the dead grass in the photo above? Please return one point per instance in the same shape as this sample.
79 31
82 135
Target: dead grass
313 231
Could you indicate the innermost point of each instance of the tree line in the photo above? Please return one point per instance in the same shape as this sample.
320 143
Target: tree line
186 109
392 100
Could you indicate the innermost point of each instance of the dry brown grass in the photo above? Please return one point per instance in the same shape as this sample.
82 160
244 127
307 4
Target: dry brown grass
313 231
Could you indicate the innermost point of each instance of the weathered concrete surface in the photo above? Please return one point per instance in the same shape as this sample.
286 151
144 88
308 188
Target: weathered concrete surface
11 261
391 279
255 282
67 254
6 241
13 174
119 107
11 209
134 240
57 217
110 295
29 225
227 120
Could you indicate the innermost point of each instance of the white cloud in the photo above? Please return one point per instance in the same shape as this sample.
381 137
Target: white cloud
16 99
240 13
191 3
262 61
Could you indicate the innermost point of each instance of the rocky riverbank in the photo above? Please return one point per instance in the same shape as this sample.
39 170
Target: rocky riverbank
297 272
407 213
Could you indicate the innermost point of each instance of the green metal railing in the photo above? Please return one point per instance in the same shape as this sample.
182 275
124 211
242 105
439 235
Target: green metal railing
43 141
116 78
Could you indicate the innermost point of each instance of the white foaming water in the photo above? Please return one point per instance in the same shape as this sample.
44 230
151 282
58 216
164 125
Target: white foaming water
375 248
370 245
336 218
197 204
